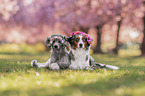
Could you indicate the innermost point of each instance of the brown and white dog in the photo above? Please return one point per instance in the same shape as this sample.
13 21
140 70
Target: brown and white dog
80 58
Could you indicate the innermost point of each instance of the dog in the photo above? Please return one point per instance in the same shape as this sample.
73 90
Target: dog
80 43
60 58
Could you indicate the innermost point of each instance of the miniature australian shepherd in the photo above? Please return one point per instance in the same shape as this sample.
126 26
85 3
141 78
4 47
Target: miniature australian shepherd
80 57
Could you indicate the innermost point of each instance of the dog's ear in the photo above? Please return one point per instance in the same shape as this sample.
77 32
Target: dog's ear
48 42
65 42
69 40
65 38
88 44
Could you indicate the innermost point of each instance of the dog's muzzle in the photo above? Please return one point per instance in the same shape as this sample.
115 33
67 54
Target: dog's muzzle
56 46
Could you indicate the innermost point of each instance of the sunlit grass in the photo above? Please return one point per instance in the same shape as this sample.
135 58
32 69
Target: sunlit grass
22 47
18 78
129 52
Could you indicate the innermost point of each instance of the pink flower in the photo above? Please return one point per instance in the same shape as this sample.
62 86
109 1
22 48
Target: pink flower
89 39
86 34
77 32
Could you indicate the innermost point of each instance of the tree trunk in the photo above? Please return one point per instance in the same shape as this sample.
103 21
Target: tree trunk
143 42
115 50
98 46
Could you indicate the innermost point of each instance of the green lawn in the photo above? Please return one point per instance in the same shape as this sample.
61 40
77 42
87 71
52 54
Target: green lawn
18 78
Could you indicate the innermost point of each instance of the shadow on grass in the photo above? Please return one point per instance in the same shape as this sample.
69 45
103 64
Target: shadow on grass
10 62
8 68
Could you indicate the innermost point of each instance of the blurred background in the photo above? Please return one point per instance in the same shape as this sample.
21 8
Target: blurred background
116 26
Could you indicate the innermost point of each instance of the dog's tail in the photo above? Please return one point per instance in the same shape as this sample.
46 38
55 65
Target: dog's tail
99 65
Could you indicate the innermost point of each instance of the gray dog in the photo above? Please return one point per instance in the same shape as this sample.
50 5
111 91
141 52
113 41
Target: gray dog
60 58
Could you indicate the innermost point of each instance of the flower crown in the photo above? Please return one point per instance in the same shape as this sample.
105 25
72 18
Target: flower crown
89 39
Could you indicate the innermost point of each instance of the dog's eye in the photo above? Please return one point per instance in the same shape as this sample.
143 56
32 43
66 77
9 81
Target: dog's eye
84 39
77 40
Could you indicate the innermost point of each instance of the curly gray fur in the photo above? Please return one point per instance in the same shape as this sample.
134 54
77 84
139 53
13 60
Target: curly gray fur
60 58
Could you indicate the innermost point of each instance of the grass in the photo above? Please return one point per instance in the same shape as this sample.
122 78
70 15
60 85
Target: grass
18 78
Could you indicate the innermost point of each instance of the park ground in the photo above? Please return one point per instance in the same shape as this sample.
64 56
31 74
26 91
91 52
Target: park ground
18 78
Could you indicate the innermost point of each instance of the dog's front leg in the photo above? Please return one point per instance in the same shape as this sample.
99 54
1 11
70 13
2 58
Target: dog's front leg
73 66
54 66
43 65
40 65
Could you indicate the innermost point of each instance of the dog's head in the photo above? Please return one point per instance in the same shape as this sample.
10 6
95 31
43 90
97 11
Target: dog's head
80 40
56 41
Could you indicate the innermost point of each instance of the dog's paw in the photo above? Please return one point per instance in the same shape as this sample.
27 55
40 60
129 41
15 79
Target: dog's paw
88 68
33 63
73 67
54 66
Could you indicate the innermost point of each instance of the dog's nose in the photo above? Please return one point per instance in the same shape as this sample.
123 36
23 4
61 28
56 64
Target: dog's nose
81 45
55 46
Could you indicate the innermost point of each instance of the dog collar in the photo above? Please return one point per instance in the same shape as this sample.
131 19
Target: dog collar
89 39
